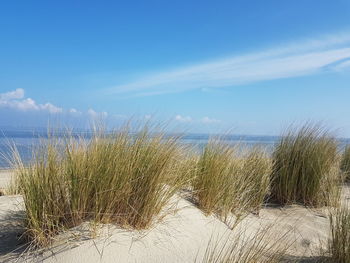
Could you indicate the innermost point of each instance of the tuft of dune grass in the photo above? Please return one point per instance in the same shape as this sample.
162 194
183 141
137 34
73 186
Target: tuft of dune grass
345 163
304 167
116 178
256 172
226 182
339 244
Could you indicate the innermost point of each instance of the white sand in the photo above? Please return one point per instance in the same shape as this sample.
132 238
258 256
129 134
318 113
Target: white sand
5 179
180 237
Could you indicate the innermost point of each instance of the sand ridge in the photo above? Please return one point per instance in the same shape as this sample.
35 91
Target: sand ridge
182 235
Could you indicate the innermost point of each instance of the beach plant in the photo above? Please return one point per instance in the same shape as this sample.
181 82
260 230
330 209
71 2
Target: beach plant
226 182
345 163
256 170
305 167
186 166
339 245
211 185
124 178
238 247
12 189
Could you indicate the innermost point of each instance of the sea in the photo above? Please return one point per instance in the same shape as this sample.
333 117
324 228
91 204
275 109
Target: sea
25 141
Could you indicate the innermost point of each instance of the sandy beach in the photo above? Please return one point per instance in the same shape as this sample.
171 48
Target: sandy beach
175 131
5 179
181 236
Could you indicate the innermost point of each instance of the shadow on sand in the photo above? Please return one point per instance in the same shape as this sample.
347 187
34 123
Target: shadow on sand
12 245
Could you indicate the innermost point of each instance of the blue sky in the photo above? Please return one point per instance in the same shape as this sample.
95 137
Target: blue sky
249 66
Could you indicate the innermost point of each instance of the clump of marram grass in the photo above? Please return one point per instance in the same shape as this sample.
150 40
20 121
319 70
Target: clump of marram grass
119 178
256 172
345 163
304 167
339 245
228 183
186 166
212 183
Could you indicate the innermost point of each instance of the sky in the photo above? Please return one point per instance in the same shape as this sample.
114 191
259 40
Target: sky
251 67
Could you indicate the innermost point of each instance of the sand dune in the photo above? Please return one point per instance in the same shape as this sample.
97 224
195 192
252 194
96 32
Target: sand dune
182 235
5 179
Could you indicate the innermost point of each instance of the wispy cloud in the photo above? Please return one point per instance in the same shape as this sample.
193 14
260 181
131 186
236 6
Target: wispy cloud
183 118
343 65
297 59
97 115
207 120
204 120
50 108
75 112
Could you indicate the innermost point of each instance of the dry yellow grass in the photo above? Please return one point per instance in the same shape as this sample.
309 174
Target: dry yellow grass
238 248
339 245
304 167
119 178
128 178
345 163
226 182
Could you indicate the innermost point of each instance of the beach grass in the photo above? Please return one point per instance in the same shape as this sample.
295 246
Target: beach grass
128 178
339 245
237 247
305 167
345 163
256 171
227 182
121 178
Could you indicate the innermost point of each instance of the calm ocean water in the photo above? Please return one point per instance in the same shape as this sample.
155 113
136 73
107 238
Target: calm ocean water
26 140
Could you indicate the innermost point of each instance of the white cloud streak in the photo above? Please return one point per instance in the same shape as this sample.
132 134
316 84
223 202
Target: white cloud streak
188 119
207 120
344 65
50 108
293 60
180 118
75 112
97 115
